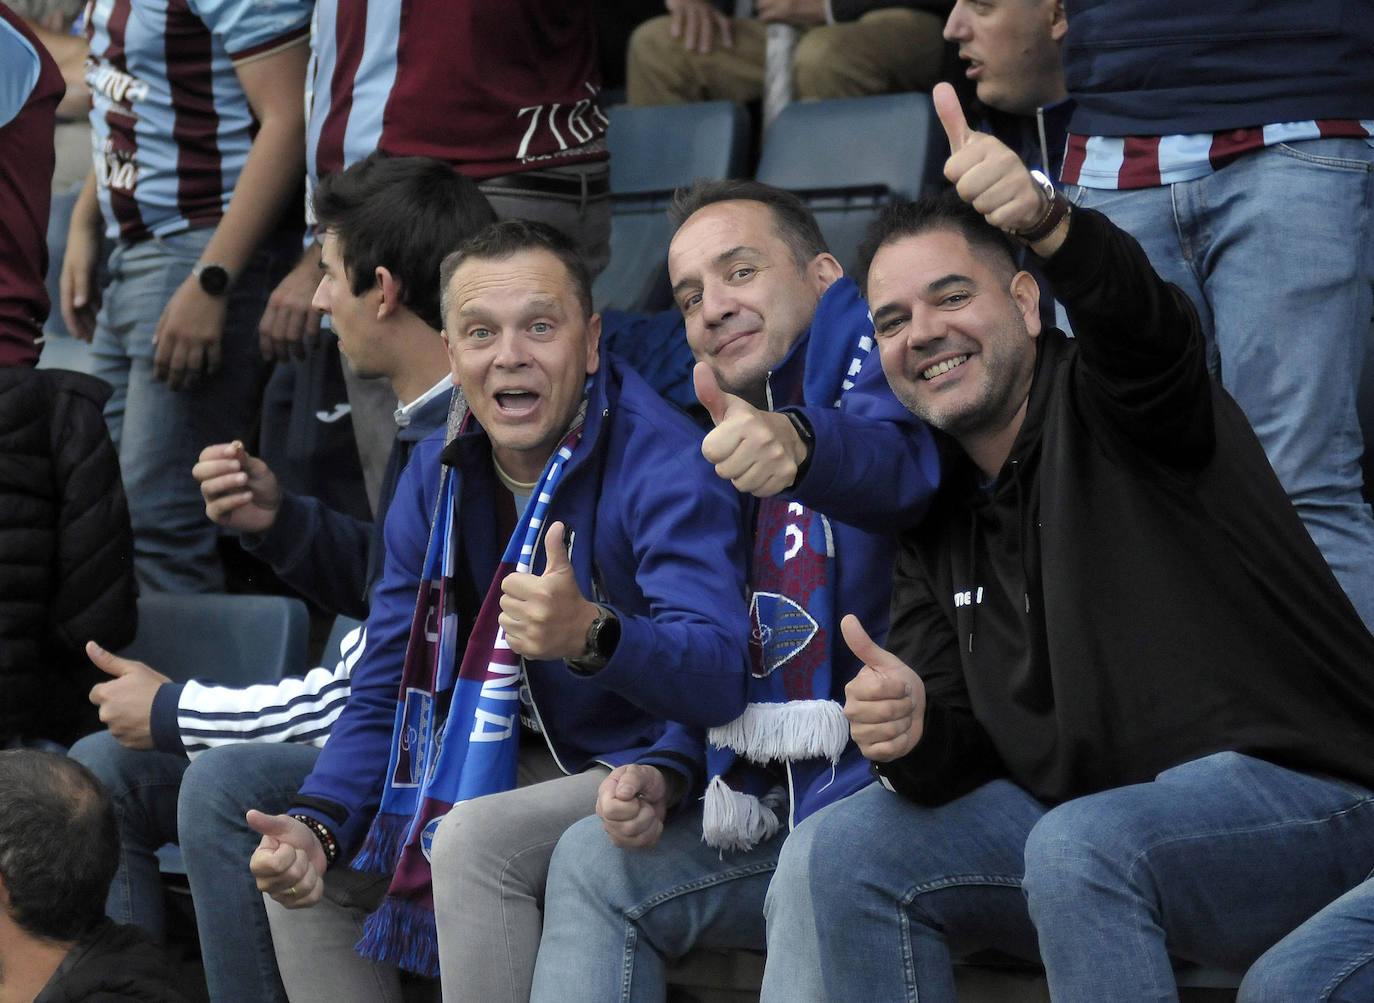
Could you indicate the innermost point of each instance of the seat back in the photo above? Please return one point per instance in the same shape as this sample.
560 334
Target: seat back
653 151
337 633
848 157
235 640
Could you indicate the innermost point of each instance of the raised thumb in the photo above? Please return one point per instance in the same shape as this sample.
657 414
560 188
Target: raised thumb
107 662
276 826
555 550
712 397
864 647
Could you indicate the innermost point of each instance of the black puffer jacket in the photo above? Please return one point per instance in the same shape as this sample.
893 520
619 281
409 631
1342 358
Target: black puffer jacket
66 551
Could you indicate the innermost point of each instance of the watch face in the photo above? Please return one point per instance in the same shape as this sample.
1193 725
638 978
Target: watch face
214 279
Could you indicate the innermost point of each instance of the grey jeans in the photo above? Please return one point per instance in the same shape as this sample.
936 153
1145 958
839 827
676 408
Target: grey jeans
490 860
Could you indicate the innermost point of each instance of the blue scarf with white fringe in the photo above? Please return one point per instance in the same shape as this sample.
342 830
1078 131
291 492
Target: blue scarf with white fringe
790 715
457 732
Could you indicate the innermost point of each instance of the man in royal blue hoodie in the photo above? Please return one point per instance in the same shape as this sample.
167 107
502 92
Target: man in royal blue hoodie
774 325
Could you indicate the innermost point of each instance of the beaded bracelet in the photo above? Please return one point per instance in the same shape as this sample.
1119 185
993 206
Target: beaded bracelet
328 843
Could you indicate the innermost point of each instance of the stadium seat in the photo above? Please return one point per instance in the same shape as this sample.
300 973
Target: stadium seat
848 157
653 151
231 639
337 633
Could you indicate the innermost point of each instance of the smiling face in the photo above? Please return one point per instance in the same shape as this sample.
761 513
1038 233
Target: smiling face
521 348
744 298
1012 48
352 317
956 329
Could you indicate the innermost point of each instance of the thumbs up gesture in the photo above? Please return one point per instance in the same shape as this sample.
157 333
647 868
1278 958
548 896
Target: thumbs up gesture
757 451
126 701
289 862
546 615
987 174
885 702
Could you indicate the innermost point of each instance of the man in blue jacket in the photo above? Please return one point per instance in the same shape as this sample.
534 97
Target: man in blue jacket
774 325
617 604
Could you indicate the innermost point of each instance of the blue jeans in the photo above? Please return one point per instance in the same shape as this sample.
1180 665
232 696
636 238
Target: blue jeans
161 798
144 787
1276 251
612 917
160 432
1211 862
1329 959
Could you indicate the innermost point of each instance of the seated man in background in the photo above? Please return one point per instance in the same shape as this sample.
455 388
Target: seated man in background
617 603
849 48
58 851
1126 711
388 222
775 324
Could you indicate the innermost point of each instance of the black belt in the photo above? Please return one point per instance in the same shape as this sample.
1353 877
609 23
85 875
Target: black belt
586 186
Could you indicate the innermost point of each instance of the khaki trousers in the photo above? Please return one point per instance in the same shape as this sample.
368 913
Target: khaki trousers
886 51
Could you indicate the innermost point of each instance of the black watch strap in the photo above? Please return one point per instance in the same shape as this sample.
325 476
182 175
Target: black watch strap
808 438
602 638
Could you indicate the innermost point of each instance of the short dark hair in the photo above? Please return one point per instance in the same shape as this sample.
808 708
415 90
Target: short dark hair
403 214
944 210
59 844
792 221
508 237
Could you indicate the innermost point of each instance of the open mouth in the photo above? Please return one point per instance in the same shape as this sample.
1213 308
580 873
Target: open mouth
516 401
940 368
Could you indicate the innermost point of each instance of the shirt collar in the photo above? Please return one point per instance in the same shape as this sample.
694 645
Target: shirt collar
407 411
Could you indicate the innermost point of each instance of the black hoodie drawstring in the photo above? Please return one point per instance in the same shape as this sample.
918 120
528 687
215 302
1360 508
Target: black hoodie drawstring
973 551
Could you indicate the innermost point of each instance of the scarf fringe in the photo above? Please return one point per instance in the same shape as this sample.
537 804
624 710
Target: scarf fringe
798 729
381 850
403 934
733 820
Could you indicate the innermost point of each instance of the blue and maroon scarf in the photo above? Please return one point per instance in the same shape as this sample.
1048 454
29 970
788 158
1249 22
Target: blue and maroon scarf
457 734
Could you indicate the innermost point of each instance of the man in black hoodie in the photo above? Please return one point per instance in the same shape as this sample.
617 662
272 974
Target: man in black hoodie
1126 711
58 851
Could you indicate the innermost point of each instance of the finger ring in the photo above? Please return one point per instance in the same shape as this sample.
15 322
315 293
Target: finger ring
291 892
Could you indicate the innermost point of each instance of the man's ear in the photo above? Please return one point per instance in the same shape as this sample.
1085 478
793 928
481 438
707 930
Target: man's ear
593 343
1025 293
823 271
1059 21
392 292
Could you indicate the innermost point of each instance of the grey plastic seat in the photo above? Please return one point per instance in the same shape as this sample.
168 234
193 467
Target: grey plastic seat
653 151
848 157
231 639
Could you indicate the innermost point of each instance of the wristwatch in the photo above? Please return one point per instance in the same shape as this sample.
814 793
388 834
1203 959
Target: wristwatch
602 637
1056 208
214 279
808 441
